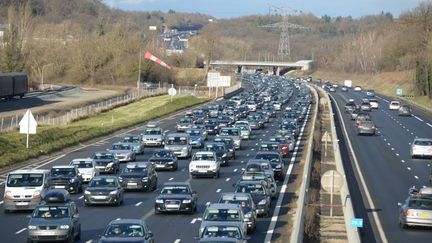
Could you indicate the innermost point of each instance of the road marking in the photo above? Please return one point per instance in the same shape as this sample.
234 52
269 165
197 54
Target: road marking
89 241
403 161
81 197
392 149
235 170
170 179
1 202
388 144
242 161
429 124
256 144
247 155
138 204
252 149
397 154
177 241
20 231
416 177
218 190
194 220
184 169
118 218
227 179
418 118
412 133
409 168
385 139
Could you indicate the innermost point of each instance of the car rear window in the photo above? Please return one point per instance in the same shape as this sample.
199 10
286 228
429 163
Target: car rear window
423 142
423 204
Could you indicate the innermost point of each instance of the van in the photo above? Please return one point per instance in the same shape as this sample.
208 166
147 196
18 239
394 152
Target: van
24 189
179 144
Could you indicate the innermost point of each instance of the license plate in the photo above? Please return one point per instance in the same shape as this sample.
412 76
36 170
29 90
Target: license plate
424 215
61 187
50 233
22 203
132 184
99 197
159 166
202 171
172 206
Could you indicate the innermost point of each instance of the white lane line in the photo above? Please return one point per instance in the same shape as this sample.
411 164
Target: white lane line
218 190
227 179
20 231
252 149
242 161
428 124
388 144
392 149
418 118
170 179
1 202
397 154
416 177
256 144
89 241
409 168
385 139
81 197
194 220
184 169
177 241
138 204
235 170
412 133
403 161
247 155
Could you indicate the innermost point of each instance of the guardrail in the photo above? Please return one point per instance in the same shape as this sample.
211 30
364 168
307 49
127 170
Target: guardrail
298 225
352 233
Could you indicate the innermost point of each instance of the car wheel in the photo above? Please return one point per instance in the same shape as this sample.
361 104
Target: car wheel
7 211
216 175
402 225
29 241
78 237
157 211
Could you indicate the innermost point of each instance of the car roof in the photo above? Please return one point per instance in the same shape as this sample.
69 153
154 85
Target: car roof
83 159
223 206
173 183
422 139
31 171
127 221
63 167
268 152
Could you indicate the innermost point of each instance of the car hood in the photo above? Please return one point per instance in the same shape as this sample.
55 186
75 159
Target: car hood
85 170
258 197
123 239
174 196
157 159
101 189
133 175
50 221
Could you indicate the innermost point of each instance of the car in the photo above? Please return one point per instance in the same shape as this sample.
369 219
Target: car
417 209
421 147
106 162
374 103
285 143
127 230
123 152
365 106
135 142
260 173
153 136
246 203
220 150
139 176
56 218
164 159
223 232
197 137
245 131
366 127
362 116
211 126
225 121
179 144
276 163
65 177
232 132
223 212
104 190
204 163
350 106
274 146
405 110
354 113
86 168
229 144
394 105
176 197
357 88
260 195
370 93
183 124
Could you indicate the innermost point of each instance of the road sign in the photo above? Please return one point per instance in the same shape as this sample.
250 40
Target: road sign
28 125
357 222
172 91
399 92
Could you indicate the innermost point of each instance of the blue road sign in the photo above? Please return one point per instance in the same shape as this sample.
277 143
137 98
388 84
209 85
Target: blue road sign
399 92
357 222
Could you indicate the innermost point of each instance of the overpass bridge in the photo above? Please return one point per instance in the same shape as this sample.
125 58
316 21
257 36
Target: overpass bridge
277 67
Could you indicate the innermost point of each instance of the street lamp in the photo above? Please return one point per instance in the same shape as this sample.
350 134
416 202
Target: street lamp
42 78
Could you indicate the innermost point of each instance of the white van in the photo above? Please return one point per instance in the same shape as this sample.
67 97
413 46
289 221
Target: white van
24 189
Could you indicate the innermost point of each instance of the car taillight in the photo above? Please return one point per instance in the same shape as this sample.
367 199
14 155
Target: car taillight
373 127
409 213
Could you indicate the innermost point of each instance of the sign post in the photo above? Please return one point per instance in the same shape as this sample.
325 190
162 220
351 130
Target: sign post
28 125
172 92
399 92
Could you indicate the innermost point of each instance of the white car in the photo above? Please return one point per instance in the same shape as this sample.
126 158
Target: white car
374 103
421 147
86 168
357 88
394 105
204 163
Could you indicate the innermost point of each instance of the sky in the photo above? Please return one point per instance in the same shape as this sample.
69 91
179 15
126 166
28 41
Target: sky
236 8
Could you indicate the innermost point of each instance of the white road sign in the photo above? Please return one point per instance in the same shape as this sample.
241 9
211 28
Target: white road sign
28 123
172 91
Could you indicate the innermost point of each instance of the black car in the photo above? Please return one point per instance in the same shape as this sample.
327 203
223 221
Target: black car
127 230
350 106
225 121
106 162
176 197
276 162
259 193
103 190
164 159
220 150
65 177
212 126
229 144
139 176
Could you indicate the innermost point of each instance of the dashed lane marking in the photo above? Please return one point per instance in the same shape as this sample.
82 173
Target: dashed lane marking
418 118
409 168
20 231
138 204
170 179
227 179
177 241
416 177
218 190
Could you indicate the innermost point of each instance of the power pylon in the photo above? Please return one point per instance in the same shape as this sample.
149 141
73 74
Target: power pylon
284 41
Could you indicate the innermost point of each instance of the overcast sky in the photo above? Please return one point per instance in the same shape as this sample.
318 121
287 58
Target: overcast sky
235 8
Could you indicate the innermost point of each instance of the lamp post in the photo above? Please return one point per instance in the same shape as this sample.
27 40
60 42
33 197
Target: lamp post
42 78
195 89
139 71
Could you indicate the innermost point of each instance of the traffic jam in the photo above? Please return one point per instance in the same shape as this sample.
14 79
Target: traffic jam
242 146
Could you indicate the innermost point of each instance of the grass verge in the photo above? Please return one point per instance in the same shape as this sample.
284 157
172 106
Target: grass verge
54 138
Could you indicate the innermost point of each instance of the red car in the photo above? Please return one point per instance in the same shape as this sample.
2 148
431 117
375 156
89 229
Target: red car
274 146
286 144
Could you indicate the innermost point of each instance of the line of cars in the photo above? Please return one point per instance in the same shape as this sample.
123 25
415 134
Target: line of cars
107 180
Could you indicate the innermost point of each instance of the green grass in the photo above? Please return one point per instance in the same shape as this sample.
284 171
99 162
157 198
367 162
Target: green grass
54 138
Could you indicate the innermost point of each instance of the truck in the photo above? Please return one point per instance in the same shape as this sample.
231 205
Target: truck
13 85
348 83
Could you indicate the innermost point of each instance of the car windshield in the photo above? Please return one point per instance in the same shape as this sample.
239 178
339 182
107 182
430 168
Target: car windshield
121 147
124 230
214 147
268 157
25 179
162 154
152 132
51 212
193 132
202 156
242 200
221 231
103 182
218 214
135 169
62 172
131 140
252 189
103 156
175 190
177 141
229 132
423 204
423 142
83 164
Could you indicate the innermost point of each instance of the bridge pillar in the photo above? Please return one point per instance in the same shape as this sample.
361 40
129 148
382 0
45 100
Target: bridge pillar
239 68
276 70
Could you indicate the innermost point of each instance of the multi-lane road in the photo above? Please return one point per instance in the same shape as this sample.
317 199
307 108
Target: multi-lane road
386 167
166 228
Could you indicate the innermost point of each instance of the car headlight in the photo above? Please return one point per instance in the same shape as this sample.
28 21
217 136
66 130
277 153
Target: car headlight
187 201
278 166
120 179
248 215
8 195
262 202
159 201
144 179
110 164
72 180
64 227
113 192
87 192
36 194
32 227
184 148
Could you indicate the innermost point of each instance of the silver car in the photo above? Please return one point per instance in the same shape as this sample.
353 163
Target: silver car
417 209
233 133
153 136
223 212
123 152
421 147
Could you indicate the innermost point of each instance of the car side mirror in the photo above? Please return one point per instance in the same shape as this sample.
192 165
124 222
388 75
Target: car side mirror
399 204
149 235
76 216
98 236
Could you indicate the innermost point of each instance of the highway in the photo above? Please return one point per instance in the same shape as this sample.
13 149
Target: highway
386 166
166 227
